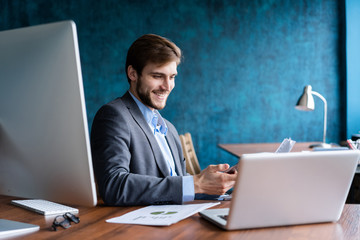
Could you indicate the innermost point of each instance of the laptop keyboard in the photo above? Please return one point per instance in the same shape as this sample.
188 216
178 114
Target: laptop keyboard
225 217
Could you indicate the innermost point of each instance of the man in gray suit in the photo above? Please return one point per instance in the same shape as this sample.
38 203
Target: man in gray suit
137 154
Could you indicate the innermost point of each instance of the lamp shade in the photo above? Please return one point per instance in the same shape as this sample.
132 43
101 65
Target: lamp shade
306 100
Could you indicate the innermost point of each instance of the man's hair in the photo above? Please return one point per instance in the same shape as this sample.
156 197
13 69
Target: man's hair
151 48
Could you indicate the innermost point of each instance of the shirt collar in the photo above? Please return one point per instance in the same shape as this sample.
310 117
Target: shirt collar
153 118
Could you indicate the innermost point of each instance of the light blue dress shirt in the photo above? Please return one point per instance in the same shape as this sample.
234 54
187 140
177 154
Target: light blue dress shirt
159 128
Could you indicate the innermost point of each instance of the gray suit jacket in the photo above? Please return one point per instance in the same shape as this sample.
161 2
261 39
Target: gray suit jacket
128 164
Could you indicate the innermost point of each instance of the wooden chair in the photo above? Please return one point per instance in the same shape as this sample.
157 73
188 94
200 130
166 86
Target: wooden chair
192 163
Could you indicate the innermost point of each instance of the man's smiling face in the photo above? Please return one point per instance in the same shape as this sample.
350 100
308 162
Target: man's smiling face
154 85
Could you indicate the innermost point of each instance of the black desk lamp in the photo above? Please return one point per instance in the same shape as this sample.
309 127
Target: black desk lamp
306 103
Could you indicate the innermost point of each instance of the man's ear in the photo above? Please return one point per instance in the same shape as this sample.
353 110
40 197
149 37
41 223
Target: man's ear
132 74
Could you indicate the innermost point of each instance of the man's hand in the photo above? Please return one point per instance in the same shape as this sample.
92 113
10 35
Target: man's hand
213 180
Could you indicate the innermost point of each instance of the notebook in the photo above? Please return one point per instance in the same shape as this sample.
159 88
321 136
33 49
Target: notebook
287 189
10 228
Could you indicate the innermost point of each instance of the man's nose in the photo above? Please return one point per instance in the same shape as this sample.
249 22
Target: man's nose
166 85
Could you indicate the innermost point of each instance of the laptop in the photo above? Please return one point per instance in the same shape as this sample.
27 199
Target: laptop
10 228
280 189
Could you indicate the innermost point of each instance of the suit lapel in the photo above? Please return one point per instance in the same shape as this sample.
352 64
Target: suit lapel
139 118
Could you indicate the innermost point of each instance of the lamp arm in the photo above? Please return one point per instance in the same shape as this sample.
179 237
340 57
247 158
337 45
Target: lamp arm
325 112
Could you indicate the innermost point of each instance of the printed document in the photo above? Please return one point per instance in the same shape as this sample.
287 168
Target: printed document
161 215
286 146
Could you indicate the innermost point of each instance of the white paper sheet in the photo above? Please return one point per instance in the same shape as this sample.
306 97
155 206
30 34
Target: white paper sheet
161 215
286 145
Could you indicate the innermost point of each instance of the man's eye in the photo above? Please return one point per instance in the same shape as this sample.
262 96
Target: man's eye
157 76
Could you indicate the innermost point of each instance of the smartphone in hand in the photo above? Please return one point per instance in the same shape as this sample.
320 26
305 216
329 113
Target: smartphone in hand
231 170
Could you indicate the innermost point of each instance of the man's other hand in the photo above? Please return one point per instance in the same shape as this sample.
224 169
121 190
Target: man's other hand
213 180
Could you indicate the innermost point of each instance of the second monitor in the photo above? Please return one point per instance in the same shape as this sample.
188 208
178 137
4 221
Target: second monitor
44 142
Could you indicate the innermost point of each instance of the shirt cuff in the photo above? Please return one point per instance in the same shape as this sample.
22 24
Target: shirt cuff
188 188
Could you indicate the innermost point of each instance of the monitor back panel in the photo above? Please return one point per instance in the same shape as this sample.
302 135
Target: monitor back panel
44 142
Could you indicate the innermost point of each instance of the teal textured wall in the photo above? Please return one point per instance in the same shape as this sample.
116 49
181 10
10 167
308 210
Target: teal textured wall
352 66
246 62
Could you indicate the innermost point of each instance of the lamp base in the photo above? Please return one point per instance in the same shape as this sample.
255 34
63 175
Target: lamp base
320 145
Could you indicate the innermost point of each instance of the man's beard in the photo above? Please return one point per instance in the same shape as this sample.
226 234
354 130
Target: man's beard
146 98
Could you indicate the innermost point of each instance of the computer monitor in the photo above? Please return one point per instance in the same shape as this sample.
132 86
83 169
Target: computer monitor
44 136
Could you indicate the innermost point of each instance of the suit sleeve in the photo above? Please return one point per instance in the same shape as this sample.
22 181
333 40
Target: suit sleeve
124 167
